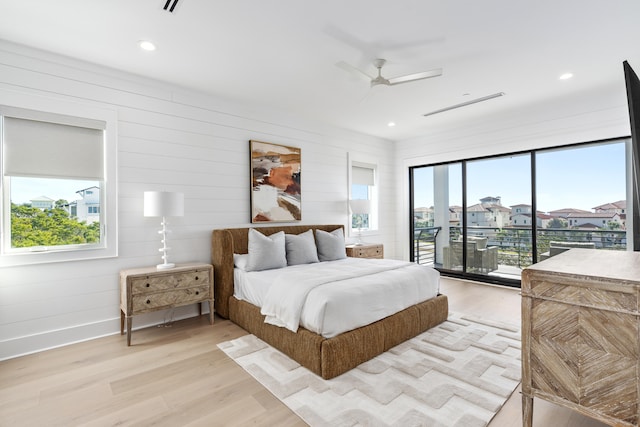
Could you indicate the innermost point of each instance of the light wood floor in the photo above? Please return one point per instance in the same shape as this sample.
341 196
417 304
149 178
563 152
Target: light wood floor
176 376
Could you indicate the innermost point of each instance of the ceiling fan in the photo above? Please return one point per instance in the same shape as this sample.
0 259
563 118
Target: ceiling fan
380 80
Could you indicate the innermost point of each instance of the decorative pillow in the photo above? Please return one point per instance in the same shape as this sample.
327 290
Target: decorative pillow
266 252
240 261
330 245
301 248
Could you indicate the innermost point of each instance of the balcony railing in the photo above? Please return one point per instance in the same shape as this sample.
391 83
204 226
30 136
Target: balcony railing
515 244
424 245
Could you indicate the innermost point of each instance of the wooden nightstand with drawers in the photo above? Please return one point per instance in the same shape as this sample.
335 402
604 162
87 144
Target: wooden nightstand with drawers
373 250
147 289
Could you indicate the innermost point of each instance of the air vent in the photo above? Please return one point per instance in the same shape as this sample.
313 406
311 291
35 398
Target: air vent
170 5
473 101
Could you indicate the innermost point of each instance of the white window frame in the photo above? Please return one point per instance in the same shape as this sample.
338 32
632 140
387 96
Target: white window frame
373 198
56 108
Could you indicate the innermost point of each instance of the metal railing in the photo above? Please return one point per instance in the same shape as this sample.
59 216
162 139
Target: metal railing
424 245
515 244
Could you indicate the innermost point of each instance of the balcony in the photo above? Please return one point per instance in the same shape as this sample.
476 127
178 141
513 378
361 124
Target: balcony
512 244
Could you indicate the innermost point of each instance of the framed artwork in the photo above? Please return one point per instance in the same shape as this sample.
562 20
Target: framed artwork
275 183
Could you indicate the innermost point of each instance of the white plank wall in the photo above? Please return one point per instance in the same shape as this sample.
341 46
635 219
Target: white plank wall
168 139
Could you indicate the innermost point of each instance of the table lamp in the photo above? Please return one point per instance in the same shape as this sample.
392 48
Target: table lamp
163 204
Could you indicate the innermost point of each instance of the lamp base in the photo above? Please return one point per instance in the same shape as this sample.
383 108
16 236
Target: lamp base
165 266
358 244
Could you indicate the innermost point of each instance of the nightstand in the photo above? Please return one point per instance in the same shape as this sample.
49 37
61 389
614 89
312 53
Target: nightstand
147 289
373 250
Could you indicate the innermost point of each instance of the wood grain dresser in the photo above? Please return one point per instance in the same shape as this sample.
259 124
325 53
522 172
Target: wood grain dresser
366 250
580 334
148 289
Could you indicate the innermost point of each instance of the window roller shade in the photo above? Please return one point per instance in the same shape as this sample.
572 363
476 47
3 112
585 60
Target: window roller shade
362 176
42 149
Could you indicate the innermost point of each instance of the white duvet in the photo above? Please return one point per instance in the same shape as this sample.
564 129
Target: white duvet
330 298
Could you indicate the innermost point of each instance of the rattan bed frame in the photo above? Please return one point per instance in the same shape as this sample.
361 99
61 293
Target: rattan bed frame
327 357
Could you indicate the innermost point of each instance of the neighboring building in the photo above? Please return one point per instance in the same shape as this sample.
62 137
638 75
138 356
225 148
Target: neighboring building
488 213
87 208
42 202
564 213
619 207
543 219
423 214
591 220
521 216
455 216
520 209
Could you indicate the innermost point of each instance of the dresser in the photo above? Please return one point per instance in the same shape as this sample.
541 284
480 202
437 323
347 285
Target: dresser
147 289
580 334
373 250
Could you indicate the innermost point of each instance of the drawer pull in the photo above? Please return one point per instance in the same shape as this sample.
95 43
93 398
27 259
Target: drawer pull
196 277
148 301
197 292
148 285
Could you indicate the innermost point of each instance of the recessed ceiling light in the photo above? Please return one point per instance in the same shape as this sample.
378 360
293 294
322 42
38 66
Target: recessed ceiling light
566 76
391 124
146 45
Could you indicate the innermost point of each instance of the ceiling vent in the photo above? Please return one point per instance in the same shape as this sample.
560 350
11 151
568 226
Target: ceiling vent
170 5
464 104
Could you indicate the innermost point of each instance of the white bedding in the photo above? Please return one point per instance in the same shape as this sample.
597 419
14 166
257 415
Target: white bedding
333 297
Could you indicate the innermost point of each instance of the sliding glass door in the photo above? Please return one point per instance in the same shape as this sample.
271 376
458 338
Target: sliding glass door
582 191
499 215
492 217
436 216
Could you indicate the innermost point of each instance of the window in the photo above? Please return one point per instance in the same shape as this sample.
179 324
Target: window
363 197
56 170
526 212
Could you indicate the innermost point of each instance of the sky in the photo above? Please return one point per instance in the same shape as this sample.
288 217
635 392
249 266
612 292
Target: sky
579 177
25 189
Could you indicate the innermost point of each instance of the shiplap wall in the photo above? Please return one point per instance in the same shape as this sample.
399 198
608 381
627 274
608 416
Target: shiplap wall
168 139
596 114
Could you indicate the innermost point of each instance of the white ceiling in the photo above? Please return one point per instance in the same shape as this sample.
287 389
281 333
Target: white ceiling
283 53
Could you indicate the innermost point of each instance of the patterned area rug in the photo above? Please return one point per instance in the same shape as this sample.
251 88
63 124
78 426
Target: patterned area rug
459 373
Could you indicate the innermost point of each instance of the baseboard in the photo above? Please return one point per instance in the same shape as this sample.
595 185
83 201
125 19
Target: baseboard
48 340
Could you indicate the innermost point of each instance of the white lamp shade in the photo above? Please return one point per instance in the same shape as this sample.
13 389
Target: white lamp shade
360 206
163 203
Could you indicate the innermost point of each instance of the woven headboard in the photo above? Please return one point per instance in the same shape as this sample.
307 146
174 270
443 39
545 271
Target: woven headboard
227 241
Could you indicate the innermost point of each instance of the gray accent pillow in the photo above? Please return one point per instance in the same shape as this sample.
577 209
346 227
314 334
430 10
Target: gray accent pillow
301 248
266 252
331 245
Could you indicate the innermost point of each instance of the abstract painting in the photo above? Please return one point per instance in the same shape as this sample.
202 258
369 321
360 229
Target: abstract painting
275 183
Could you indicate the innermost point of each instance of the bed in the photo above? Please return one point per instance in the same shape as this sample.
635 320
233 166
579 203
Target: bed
326 357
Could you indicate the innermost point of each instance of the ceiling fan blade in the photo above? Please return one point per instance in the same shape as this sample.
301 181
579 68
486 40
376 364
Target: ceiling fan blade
417 76
354 71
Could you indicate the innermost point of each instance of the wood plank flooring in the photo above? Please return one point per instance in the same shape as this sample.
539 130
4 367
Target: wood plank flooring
176 376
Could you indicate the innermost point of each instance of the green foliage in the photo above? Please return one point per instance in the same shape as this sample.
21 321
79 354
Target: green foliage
557 223
50 227
613 225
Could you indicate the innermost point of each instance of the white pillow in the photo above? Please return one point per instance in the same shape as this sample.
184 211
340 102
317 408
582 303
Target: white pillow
331 245
240 261
266 252
301 248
